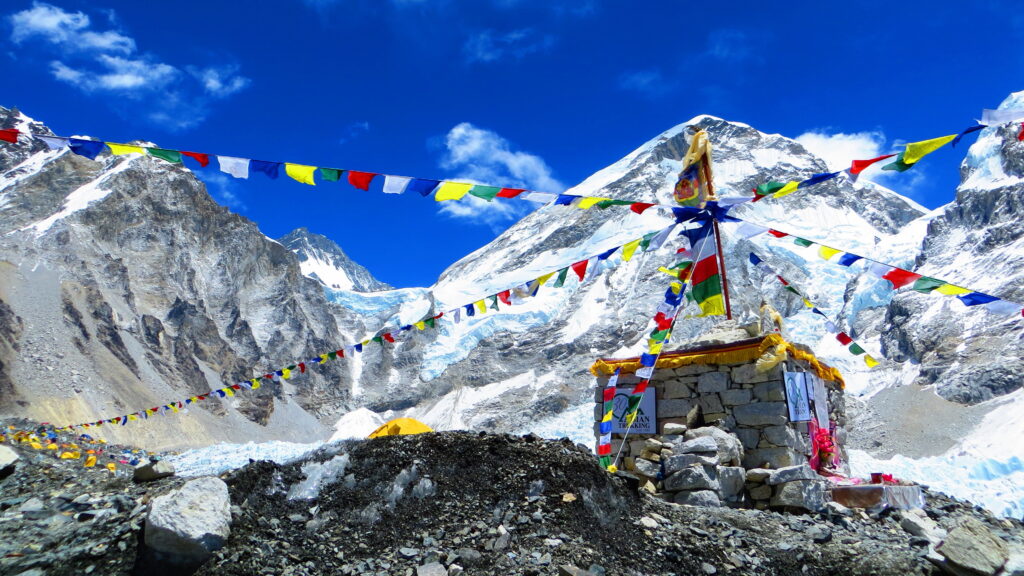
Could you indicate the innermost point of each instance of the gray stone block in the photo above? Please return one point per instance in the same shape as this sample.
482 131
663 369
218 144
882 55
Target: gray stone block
771 458
712 382
781 436
760 414
802 494
792 473
749 437
736 396
705 498
730 480
771 391
696 444
758 474
647 468
674 408
711 404
694 478
676 463
693 369
973 547
676 389
748 374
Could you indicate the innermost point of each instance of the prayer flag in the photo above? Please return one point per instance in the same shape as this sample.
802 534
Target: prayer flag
917 150
966 132
755 259
768 188
565 199
560 281
88 148
747 230
900 277
639 207
705 278
510 192
542 197
871 362
786 190
481 306
817 179
122 149
300 173
54 142
172 156
422 187
506 297
1003 307
395 184
951 290
9 135
360 180
237 167
844 338
485 192
451 191
629 248
271 169
858 166
855 349
925 284
826 252
848 259
801 241
580 268
203 159
590 201
898 165
994 117
330 174
975 298
777 234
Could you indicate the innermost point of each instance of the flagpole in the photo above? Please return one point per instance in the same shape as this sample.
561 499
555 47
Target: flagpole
718 238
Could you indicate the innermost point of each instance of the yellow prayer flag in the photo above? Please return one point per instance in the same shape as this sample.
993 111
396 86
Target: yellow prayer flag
672 273
255 383
713 306
825 252
808 303
36 445
451 191
676 287
917 150
786 190
481 306
654 347
70 455
51 446
286 373
300 173
629 249
545 278
174 408
608 416
227 390
871 362
121 149
587 202
90 461
112 467
133 417
952 290
420 325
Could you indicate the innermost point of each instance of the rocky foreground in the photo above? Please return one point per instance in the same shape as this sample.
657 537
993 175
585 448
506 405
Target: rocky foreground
451 503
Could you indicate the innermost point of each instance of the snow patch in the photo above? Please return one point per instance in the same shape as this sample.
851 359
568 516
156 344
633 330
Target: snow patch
219 458
81 198
358 423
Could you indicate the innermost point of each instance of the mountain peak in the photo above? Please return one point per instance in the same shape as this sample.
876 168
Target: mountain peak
323 260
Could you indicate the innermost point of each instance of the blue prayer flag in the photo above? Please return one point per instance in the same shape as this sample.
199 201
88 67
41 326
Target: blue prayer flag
966 132
647 359
565 199
88 148
847 259
754 259
975 298
422 187
269 168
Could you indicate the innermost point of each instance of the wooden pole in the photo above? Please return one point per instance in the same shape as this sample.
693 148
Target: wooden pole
718 241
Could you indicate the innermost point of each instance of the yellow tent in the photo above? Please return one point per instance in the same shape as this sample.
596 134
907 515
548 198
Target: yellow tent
400 427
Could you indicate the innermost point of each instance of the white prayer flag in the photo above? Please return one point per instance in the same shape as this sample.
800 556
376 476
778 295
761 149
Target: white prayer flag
237 167
54 142
996 117
395 184
1003 307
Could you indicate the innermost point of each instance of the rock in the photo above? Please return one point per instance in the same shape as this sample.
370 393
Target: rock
837 509
748 374
708 568
695 478
648 522
971 546
431 569
153 471
791 473
800 494
773 391
1015 563
819 534
673 428
455 569
8 460
408 552
469 556
705 498
504 537
762 492
711 404
647 468
758 474
570 570
730 480
674 408
771 458
736 396
674 464
696 445
916 522
729 448
761 414
781 436
749 437
188 524
34 509
712 382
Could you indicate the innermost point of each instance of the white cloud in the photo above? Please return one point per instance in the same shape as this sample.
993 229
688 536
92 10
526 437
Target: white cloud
107 61
491 46
650 83
483 156
840 149
222 189
353 131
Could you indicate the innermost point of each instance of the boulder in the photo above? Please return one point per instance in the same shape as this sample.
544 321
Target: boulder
749 437
695 444
791 473
670 428
758 474
729 448
761 414
748 374
972 547
730 480
762 492
8 460
187 525
711 404
771 458
806 495
432 569
694 478
647 468
676 463
917 523
781 436
153 471
698 498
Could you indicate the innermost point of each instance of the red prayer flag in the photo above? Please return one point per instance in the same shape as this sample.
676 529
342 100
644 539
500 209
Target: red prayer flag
340 353
580 268
1020 137
505 297
510 192
604 450
302 367
203 159
900 277
777 234
268 376
236 387
609 394
389 337
9 135
843 338
640 388
360 180
858 166
639 207
783 280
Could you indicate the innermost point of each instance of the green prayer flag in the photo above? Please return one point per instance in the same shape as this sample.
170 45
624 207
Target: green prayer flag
494 302
609 203
606 461
429 322
898 165
708 288
378 339
793 290
486 192
172 156
332 355
561 277
801 242
769 188
330 174
659 335
646 240
856 349
925 284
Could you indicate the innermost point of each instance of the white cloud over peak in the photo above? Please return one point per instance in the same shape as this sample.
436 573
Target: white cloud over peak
107 61
483 156
492 46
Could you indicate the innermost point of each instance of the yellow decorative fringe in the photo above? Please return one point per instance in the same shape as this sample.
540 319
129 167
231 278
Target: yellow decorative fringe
768 353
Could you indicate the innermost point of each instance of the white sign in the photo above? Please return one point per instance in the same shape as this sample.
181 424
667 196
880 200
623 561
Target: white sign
796 397
645 416
820 397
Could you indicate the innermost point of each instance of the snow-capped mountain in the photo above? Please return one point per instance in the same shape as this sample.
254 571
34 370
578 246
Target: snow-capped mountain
321 259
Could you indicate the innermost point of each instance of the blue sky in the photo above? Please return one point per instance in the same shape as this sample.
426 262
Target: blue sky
535 93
